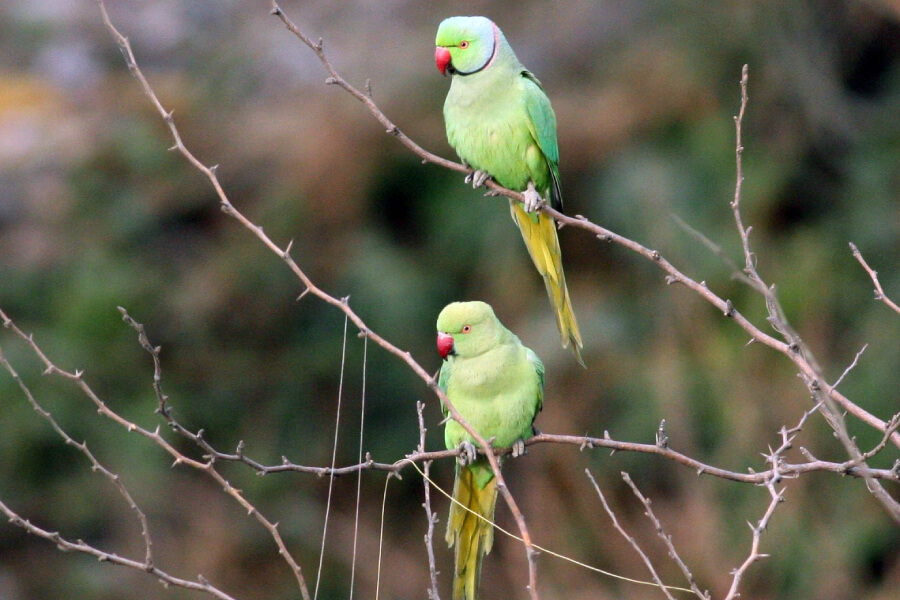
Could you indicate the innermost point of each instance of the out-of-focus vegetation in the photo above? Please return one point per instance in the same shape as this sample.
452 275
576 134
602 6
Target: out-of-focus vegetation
95 213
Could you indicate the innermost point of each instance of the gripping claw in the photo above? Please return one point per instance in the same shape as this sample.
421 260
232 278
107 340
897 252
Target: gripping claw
533 200
518 448
467 454
477 178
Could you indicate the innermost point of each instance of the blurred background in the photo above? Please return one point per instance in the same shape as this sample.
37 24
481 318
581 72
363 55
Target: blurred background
96 213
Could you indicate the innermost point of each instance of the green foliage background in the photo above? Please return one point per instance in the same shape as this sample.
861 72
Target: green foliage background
95 213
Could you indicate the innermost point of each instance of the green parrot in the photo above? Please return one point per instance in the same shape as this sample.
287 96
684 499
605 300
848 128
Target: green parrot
497 385
500 122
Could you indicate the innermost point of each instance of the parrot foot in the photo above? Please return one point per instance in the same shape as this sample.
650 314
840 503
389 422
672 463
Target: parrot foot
467 454
477 178
492 193
518 448
533 200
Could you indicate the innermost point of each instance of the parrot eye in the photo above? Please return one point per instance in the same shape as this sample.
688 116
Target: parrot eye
464 44
466 328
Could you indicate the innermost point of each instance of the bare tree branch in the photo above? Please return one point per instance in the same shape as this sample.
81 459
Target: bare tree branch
879 291
629 538
429 514
95 464
758 529
667 539
201 585
207 466
803 357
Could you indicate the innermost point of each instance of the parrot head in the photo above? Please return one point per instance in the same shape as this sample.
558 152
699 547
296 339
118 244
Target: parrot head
465 45
467 329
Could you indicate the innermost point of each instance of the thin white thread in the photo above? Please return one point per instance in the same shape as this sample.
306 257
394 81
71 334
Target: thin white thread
337 424
362 422
381 537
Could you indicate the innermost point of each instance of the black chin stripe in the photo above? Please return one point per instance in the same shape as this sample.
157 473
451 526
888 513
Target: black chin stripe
481 68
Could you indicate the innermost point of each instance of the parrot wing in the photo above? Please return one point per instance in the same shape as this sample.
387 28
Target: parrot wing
443 379
539 369
543 128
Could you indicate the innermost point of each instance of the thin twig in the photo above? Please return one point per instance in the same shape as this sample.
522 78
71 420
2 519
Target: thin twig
873 274
201 585
755 554
736 272
826 395
429 514
95 464
759 478
629 538
207 466
667 539
851 366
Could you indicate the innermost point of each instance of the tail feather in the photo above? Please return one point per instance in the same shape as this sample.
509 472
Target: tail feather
539 232
472 536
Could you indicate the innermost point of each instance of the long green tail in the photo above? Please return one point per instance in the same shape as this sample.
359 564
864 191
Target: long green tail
539 232
473 537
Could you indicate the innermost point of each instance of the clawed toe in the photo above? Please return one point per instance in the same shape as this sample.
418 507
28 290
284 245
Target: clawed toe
518 448
477 178
467 454
533 200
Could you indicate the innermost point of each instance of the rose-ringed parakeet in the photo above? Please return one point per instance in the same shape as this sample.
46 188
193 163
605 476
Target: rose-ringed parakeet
500 122
497 385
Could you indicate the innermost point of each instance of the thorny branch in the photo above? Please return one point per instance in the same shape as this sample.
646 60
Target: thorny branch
206 466
83 448
667 539
879 291
758 529
826 395
792 347
429 514
629 538
201 585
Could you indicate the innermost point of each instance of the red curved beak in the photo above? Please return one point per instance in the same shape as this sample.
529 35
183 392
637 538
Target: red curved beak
442 59
444 344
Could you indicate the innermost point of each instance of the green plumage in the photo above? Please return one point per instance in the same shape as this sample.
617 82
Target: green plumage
497 386
499 120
